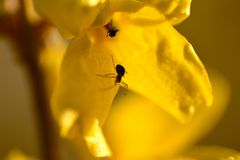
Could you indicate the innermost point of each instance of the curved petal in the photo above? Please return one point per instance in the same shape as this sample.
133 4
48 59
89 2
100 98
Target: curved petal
138 129
175 11
147 16
126 5
81 96
51 57
71 16
161 65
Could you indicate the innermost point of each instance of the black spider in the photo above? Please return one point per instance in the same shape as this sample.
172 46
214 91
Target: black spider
118 77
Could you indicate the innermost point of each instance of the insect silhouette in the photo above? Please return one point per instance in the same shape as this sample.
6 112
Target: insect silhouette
120 72
111 30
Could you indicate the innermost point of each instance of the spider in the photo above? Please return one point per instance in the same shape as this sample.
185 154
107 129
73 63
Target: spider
120 70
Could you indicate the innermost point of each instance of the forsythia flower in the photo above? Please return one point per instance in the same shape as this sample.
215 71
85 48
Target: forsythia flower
161 65
138 129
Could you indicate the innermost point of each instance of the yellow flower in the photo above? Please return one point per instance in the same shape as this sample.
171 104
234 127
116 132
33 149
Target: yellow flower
161 64
137 128
74 16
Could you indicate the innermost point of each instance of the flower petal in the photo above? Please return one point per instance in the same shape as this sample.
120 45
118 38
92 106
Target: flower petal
175 11
147 16
71 16
84 94
126 5
161 65
51 57
138 129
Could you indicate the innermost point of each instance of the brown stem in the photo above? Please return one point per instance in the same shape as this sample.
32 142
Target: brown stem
30 55
28 40
42 110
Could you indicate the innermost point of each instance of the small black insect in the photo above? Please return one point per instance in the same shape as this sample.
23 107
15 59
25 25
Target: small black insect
118 77
111 30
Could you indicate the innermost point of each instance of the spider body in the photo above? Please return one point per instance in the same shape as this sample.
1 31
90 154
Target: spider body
120 73
120 70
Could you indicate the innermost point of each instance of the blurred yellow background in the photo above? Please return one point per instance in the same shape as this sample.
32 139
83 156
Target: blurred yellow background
213 29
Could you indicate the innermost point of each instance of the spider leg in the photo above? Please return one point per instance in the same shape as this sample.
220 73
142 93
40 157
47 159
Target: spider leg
109 75
113 62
